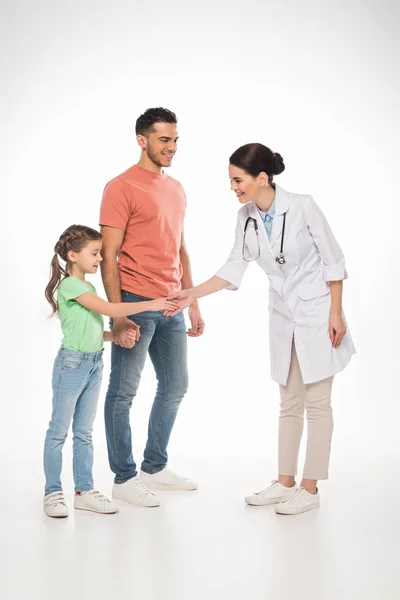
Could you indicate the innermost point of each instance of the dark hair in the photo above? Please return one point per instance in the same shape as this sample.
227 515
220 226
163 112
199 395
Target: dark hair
257 158
146 121
74 238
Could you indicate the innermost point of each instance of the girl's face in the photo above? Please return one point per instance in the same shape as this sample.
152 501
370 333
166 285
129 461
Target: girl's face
89 258
245 186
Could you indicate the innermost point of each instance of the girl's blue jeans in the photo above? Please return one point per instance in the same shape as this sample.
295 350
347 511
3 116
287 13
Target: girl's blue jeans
76 388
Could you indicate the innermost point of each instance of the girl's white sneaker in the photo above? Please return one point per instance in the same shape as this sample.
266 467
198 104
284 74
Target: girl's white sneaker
94 501
54 505
299 502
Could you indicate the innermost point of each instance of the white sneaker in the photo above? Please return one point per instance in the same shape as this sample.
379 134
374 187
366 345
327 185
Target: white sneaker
95 502
135 492
167 480
300 501
54 505
273 494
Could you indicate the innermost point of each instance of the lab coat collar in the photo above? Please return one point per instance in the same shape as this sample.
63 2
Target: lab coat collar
282 200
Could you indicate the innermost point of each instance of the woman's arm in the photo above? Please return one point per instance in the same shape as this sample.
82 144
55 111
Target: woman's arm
215 284
337 326
333 266
108 336
186 297
123 309
328 248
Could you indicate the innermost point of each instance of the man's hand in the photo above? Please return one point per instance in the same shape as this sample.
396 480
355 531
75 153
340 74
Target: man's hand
196 320
126 333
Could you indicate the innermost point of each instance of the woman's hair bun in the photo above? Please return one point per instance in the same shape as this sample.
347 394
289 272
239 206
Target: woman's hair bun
279 165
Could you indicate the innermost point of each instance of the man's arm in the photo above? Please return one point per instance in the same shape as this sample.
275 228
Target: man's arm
112 242
196 319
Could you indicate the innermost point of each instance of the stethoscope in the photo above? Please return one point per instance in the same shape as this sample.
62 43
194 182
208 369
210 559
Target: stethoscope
281 258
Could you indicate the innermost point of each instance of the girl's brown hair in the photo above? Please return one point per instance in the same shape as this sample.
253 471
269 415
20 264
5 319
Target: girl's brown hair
74 238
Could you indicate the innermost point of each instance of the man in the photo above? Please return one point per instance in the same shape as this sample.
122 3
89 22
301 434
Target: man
144 257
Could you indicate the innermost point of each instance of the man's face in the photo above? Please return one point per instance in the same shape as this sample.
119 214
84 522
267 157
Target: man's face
161 144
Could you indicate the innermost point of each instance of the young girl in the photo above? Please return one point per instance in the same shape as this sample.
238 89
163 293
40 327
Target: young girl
78 366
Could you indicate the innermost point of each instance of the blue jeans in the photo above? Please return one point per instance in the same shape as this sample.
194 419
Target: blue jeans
76 388
166 342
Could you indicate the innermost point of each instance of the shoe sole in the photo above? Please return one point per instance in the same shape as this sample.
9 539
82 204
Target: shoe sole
269 503
135 503
292 514
56 516
99 512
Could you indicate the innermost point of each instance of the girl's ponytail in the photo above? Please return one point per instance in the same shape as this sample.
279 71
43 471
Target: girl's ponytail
56 274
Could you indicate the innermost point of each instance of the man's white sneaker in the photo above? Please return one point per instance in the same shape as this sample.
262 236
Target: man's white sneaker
134 491
300 501
95 502
54 505
273 494
167 480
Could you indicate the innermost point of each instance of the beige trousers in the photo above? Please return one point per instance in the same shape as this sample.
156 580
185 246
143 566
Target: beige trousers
315 398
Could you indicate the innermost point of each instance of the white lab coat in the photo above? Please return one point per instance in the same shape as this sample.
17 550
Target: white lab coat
299 296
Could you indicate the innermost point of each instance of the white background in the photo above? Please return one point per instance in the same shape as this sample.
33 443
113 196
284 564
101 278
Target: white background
316 82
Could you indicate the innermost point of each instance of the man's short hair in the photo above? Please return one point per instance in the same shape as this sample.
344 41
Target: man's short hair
146 121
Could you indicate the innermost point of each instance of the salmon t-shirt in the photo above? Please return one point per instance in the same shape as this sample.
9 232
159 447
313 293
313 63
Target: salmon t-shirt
150 209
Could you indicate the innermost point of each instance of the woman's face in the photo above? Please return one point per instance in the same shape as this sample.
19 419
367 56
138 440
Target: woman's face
245 186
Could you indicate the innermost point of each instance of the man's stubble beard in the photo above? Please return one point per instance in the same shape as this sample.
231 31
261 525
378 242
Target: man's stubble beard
153 157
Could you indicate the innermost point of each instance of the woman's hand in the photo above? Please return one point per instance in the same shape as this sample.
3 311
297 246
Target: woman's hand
337 329
183 298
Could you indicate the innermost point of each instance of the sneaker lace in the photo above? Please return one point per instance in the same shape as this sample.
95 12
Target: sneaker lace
267 489
141 487
175 475
296 496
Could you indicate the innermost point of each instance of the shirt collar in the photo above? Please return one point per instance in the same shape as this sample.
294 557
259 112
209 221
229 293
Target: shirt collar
270 213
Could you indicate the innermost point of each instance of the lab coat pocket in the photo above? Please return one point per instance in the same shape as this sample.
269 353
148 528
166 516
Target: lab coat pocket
309 291
314 305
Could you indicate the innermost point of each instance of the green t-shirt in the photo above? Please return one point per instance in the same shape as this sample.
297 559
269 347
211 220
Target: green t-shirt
83 329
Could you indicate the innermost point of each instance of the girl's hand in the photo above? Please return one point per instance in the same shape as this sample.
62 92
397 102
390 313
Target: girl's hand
164 305
337 329
131 336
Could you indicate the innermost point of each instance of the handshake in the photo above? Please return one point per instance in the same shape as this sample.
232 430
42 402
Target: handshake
126 333
173 304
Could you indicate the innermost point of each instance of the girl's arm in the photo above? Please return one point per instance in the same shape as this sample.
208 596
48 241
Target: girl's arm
108 336
123 309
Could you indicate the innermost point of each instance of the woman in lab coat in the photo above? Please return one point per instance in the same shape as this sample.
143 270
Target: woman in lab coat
290 239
